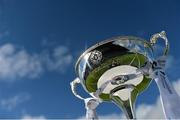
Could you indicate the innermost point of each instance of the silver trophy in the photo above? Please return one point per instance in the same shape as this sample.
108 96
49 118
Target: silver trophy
119 69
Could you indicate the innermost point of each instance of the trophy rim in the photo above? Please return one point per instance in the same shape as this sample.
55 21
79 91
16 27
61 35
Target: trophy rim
105 42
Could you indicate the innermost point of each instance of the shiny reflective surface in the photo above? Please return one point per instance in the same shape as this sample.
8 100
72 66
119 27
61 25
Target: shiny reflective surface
116 59
114 52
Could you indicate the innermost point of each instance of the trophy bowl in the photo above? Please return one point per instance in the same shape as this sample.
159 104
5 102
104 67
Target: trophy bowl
117 59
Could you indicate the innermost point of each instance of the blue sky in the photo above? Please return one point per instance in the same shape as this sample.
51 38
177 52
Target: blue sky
40 41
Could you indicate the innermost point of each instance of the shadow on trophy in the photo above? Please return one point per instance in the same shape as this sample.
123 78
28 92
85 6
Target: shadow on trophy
119 69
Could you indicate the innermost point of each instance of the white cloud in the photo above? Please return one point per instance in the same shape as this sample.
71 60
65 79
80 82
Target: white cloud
58 60
172 66
113 116
28 117
144 111
12 102
18 63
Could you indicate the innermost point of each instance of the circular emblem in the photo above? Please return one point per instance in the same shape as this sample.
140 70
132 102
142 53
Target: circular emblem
95 57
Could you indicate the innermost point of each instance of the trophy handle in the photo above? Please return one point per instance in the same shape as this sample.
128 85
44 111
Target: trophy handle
74 84
170 99
162 35
90 103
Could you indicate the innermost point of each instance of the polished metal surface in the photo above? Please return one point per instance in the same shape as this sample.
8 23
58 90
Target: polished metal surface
117 69
111 53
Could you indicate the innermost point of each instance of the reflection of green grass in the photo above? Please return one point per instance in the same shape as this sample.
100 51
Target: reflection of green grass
91 81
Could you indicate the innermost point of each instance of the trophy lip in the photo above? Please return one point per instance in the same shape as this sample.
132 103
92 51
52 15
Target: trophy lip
105 42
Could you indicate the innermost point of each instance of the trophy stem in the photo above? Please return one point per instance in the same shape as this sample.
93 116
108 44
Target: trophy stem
124 97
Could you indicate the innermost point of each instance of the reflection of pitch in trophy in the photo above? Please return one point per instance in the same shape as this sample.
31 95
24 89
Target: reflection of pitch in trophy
119 69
